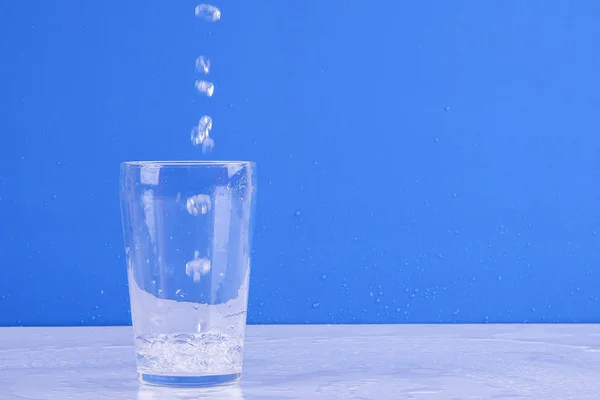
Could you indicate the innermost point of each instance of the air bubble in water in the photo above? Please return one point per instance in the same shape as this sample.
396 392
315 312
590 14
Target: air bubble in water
202 130
208 12
198 204
197 267
203 65
205 87
208 145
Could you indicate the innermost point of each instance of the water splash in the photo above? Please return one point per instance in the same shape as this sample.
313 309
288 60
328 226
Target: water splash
202 353
208 12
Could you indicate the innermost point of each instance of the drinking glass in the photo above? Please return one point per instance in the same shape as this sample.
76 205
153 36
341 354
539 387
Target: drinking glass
187 228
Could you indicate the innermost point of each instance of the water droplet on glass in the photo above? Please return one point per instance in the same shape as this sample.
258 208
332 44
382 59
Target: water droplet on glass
208 145
202 130
297 213
203 64
208 12
198 204
315 305
323 276
447 108
205 87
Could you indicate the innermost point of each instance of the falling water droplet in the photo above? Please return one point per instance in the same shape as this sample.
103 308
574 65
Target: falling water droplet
202 130
208 12
203 64
198 204
205 87
208 145
197 267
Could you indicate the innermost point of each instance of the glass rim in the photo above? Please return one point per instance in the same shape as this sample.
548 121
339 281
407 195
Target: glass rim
185 163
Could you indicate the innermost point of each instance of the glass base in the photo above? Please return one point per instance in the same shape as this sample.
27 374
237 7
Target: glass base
188 381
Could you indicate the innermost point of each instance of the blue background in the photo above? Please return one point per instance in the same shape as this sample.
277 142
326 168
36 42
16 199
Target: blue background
423 161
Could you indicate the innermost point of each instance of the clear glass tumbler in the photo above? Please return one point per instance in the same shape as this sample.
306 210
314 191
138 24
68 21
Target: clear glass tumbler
187 228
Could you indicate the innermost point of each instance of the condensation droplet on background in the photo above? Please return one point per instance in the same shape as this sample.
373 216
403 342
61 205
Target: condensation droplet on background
208 12
205 87
198 205
203 64
201 132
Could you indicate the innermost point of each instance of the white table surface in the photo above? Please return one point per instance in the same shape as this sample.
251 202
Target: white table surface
323 362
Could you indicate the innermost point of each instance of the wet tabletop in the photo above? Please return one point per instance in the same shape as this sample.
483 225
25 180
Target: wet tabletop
322 362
